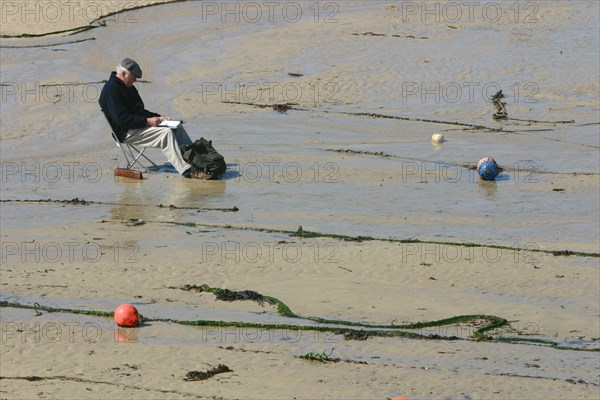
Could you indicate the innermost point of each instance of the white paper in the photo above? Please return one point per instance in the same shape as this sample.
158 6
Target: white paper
170 124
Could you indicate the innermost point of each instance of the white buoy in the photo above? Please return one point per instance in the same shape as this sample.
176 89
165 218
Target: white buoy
437 138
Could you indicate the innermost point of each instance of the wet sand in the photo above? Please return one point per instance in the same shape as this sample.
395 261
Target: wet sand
410 233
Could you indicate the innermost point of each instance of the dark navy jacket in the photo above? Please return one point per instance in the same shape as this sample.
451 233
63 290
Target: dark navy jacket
123 107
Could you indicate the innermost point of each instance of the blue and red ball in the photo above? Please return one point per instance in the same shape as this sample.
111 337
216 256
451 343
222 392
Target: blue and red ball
487 168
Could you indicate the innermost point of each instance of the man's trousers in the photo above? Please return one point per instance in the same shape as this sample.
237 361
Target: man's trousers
166 139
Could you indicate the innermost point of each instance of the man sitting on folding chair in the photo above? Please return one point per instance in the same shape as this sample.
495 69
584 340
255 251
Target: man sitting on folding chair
133 124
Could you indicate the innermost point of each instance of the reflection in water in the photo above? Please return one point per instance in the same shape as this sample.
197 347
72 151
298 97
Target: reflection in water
489 188
141 199
437 147
126 335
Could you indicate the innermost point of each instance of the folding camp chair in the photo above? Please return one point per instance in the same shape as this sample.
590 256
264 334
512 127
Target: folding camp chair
132 155
132 158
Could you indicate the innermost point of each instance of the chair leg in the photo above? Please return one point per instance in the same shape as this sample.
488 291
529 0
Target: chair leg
125 154
133 159
151 162
141 154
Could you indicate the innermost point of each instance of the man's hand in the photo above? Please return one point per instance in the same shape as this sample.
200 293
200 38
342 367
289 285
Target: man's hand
155 121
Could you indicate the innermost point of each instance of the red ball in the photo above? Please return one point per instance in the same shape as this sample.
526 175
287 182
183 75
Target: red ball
126 315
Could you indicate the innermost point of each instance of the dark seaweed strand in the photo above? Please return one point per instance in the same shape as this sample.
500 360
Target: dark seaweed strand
284 310
78 201
541 342
37 306
535 121
301 233
34 378
308 234
92 24
72 31
496 322
469 166
46 45
99 19
290 327
467 126
220 324
375 115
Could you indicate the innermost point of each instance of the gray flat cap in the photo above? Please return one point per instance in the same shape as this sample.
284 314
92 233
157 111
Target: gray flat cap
132 67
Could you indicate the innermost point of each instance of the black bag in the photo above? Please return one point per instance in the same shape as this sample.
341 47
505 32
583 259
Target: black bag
203 157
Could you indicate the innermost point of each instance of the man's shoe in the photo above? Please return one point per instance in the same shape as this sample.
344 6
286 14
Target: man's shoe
195 174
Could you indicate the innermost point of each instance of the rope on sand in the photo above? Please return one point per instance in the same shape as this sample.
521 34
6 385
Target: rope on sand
349 329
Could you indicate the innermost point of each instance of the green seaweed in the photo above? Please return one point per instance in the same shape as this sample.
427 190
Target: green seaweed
77 201
47 45
93 24
499 105
380 330
493 322
469 166
301 233
203 375
72 31
321 357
